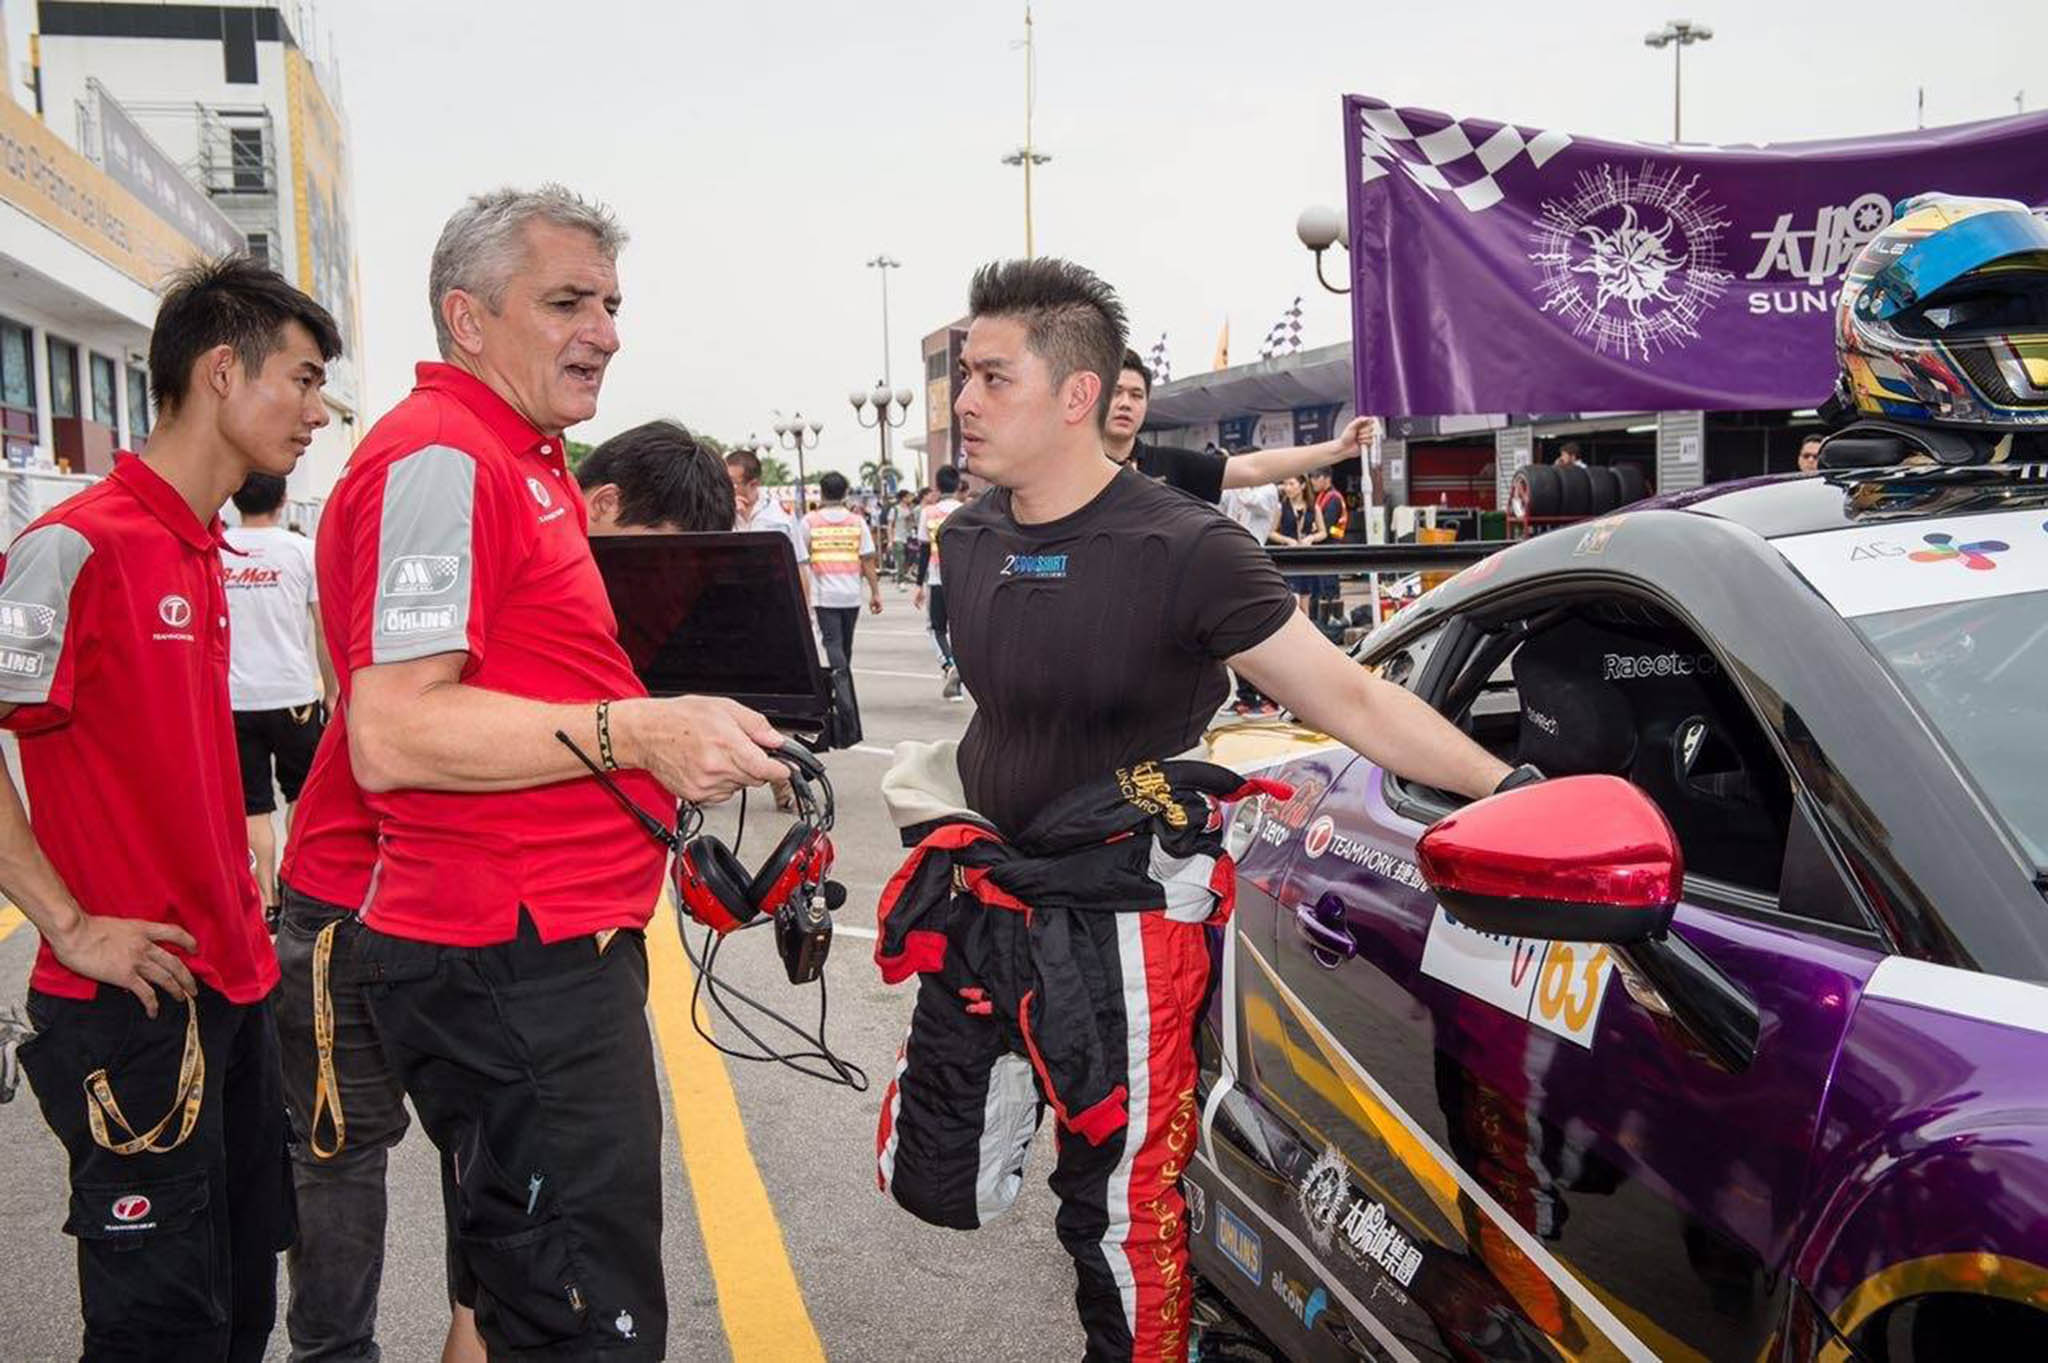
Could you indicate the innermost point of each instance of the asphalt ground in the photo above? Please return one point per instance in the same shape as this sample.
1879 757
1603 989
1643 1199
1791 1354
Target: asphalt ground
778 1247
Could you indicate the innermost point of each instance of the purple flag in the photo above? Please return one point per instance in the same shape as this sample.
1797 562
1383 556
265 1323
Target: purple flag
1507 269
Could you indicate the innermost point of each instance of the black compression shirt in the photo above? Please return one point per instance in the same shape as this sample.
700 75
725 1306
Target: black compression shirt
1192 471
1096 640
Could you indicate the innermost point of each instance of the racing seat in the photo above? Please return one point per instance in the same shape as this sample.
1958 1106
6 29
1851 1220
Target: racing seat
1649 703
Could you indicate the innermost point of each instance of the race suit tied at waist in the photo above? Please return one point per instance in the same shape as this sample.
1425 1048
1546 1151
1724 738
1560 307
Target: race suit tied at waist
1016 930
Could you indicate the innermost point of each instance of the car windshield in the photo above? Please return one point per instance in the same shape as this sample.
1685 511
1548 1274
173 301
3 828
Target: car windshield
1979 671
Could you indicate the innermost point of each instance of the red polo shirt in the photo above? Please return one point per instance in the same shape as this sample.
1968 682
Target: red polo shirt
114 646
457 529
333 844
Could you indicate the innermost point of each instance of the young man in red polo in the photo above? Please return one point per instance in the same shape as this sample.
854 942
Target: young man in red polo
155 1057
501 942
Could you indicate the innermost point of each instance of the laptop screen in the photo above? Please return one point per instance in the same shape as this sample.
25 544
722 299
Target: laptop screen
717 615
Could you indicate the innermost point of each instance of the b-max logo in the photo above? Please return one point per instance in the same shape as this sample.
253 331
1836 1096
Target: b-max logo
23 620
422 575
130 1208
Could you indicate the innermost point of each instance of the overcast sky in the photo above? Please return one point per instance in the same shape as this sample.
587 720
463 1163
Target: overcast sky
759 153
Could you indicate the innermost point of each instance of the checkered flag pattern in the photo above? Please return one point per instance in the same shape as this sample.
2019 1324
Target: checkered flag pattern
1285 337
1158 363
1446 156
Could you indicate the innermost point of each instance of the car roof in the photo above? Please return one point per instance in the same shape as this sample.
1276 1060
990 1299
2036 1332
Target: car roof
1842 499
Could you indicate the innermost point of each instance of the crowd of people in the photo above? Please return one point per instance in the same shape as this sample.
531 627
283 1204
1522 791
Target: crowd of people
460 904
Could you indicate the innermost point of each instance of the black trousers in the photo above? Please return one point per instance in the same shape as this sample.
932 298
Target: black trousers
337 1266
835 626
935 615
532 1070
177 1252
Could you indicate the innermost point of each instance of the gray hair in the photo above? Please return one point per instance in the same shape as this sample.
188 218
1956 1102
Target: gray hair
480 245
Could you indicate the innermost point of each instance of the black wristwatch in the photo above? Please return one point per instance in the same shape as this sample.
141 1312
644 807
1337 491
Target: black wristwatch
1525 775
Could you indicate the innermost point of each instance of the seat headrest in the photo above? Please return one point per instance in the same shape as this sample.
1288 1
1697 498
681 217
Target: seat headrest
1575 721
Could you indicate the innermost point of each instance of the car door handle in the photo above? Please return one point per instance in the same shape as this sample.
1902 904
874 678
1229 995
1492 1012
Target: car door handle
1322 923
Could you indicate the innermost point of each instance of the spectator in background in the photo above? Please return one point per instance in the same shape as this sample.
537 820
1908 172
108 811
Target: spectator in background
1337 521
902 515
1205 473
1300 523
655 479
945 501
756 510
280 681
1809 454
841 552
1569 455
1257 509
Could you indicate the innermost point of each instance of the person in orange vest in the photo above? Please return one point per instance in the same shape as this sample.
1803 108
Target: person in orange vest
841 553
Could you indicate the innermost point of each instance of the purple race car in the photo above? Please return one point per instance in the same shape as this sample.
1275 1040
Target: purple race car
1488 1096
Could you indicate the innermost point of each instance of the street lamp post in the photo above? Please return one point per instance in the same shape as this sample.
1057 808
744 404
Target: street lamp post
1028 155
883 423
1677 34
1320 227
884 263
791 433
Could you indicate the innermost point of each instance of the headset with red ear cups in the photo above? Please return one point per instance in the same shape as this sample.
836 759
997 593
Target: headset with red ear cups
715 889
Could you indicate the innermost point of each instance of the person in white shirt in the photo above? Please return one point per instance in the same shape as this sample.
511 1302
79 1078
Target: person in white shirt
755 509
280 681
1257 509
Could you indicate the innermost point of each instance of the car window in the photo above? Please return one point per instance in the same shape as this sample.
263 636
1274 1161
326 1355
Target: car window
1624 689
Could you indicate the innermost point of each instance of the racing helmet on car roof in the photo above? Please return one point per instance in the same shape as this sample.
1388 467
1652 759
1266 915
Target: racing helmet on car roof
1943 317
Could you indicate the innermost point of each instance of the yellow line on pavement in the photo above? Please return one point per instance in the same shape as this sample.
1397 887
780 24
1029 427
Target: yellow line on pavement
10 919
758 1297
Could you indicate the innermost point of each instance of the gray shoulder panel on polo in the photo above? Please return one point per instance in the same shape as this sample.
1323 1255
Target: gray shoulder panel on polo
35 609
426 556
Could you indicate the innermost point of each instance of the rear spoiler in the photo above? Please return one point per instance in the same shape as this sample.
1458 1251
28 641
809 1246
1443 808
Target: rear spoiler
1384 558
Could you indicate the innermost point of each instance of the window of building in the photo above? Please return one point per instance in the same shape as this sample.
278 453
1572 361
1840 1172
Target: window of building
259 248
63 379
138 405
245 159
935 365
18 392
17 367
104 381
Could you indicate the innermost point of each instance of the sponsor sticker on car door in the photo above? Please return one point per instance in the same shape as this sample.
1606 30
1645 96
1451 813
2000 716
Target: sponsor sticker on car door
1557 986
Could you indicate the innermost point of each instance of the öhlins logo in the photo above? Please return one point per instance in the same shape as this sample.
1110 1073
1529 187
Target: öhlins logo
1146 786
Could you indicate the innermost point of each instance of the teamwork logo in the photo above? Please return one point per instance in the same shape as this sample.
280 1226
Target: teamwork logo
1319 835
1631 261
1942 548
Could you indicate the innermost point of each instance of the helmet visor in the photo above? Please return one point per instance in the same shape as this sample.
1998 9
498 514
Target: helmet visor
1934 262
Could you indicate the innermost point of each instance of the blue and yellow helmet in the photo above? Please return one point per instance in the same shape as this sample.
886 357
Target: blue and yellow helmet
1944 316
